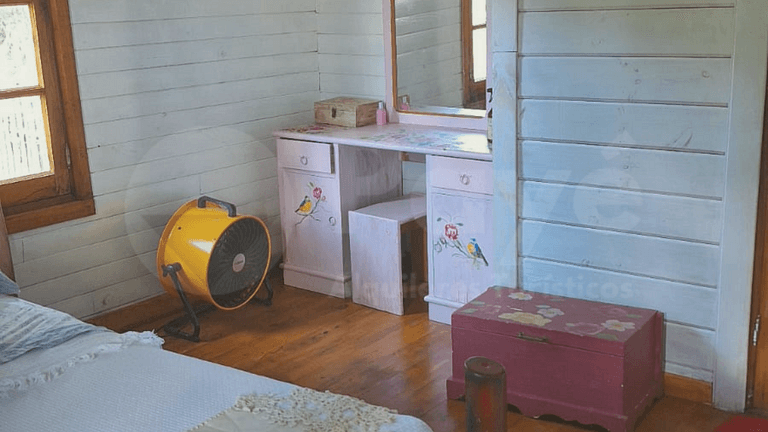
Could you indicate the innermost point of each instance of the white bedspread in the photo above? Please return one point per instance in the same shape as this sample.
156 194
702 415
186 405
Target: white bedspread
139 388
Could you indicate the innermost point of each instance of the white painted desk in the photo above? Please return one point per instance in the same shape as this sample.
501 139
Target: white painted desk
326 171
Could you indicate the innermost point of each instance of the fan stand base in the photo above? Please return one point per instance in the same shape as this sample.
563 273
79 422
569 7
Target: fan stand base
266 301
174 328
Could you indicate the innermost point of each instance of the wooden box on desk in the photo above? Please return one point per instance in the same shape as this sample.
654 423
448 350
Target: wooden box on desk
346 111
595 363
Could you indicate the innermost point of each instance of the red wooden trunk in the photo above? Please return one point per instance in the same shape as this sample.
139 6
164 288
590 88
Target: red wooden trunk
595 363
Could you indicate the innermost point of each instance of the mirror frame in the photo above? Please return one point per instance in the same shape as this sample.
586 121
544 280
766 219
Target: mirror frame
416 117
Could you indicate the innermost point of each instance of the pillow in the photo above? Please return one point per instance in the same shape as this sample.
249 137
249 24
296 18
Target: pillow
7 286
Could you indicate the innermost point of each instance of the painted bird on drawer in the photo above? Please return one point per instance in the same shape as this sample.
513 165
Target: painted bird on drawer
305 207
475 252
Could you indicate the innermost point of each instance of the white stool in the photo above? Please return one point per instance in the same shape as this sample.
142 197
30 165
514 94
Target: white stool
375 240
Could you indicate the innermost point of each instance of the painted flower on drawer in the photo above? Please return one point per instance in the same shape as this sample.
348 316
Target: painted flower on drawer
451 231
309 206
448 238
526 318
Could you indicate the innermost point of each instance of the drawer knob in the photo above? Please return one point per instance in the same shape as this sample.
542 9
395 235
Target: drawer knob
332 221
464 179
304 160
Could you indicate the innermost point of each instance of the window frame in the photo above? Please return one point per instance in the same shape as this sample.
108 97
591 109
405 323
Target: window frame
474 91
42 200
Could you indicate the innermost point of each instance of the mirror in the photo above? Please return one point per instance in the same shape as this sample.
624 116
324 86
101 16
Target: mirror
439 56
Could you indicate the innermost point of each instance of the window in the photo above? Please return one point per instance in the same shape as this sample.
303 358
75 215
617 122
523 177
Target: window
474 48
44 174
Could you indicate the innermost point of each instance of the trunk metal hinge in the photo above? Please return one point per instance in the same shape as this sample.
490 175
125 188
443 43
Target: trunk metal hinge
755 331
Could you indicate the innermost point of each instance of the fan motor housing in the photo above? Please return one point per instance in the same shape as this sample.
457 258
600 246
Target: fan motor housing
196 236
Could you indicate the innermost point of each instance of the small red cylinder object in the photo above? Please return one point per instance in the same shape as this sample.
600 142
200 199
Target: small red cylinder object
486 395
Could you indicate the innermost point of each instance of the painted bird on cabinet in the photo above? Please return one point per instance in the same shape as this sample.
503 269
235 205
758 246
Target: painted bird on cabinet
305 207
475 252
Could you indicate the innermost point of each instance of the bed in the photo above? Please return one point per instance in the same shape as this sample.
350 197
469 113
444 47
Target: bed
60 374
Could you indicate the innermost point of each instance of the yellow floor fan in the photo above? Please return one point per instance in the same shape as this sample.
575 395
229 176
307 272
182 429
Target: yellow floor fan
211 254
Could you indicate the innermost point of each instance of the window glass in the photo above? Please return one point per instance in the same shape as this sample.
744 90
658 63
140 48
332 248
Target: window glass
479 54
18 57
24 149
478 12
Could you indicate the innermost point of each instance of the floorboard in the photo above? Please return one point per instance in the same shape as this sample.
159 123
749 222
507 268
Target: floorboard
327 343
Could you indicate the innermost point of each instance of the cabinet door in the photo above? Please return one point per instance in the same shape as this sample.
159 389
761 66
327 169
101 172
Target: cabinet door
462 244
312 225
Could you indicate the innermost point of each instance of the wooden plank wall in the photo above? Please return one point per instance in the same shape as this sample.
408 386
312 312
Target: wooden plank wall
623 123
351 61
350 46
179 100
429 66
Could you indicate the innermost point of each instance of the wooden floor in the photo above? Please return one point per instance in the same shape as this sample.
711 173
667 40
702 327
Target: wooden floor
332 344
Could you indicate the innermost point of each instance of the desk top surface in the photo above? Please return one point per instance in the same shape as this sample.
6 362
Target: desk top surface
400 137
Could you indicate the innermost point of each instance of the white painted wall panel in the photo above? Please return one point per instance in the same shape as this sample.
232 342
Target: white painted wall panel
339 64
211 50
365 87
505 166
690 347
187 75
86 11
96 231
554 5
674 260
631 79
110 297
351 49
356 24
703 32
89 280
205 163
74 260
414 178
635 212
347 6
635 125
116 34
685 304
179 101
343 44
632 169
163 124
256 132
187 98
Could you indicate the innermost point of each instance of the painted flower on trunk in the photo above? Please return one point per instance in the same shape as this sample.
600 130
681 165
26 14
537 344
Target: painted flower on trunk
451 231
526 318
618 325
616 312
520 296
317 193
550 312
583 329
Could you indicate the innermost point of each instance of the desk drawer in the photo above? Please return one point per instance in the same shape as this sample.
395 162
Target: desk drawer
461 174
305 155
